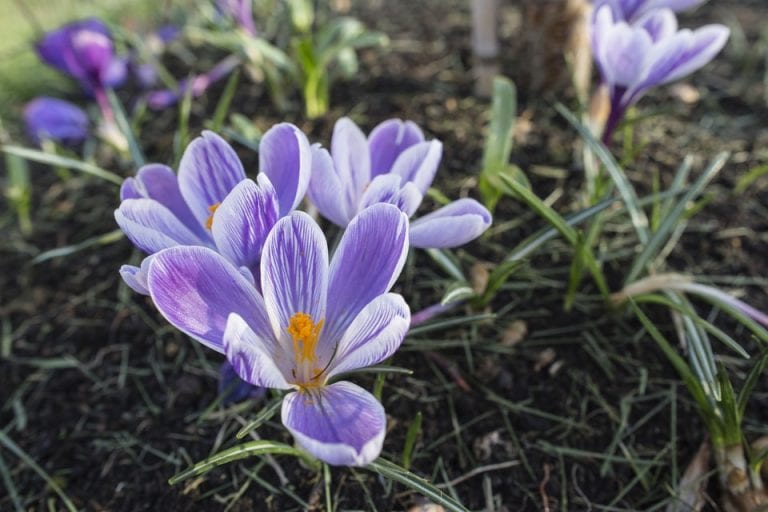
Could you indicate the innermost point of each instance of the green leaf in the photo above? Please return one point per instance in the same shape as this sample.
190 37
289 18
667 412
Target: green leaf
394 472
498 143
751 381
222 108
250 449
265 414
105 239
672 218
448 262
410 440
457 292
126 129
62 161
625 188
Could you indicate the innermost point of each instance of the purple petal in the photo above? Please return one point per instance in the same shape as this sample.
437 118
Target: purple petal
702 46
196 289
374 335
152 227
418 164
389 188
325 188
285 157
57 49
660 24
136 277
208 172
233 389
451 226
341 424
54 119
623 54
366 264
243 221
294 271
388 140
675 5
254 358
158 182
352 161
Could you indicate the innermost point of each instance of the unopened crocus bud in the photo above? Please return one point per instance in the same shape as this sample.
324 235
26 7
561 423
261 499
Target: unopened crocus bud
54 119
84 50
242 13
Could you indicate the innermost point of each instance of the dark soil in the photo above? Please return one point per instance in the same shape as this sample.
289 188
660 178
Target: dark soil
109 400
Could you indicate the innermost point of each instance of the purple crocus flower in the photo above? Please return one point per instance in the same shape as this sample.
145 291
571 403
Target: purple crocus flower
650 52
84 50
393 165
313 322
55 119
211 203
241 11
632 10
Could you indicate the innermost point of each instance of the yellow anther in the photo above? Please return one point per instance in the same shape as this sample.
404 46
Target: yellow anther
304 333
209 220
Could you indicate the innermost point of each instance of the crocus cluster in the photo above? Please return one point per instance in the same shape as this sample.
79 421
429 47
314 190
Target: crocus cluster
637 45
232 264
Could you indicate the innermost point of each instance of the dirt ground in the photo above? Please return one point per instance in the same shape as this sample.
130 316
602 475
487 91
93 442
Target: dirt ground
110 401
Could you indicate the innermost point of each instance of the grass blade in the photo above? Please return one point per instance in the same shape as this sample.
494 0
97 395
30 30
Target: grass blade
8 443
251 449
751 381
394 472
62 161
125 127
624 187
671 220
265 414
410 440
106 238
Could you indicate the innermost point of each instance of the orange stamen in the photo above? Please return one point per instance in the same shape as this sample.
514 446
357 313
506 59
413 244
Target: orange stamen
304 333
209 220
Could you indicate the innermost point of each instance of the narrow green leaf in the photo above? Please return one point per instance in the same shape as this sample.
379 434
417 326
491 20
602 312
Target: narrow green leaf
62 161
265 414
457 292
394 472
11 446
751 381
410 440
222 108
250 449
448 262
498 142
625 188
671 220
125 128
105 239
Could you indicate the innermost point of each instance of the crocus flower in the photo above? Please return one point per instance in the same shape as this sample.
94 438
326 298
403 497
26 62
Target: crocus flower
650 52
241 11
312 322
84 50
211 203
393 165
54 119
632 10
197 85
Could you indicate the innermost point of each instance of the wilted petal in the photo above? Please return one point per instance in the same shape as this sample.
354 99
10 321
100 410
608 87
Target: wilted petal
341 424
294 271
285 157
208 172
352 161
326 190
158 182
152 227
256 359
388 140
243 221
54 119
389 188
374 335
196 289
366 264
418 164
451 226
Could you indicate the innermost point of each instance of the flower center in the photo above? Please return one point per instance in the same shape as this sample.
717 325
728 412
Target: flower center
209 220
305 334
